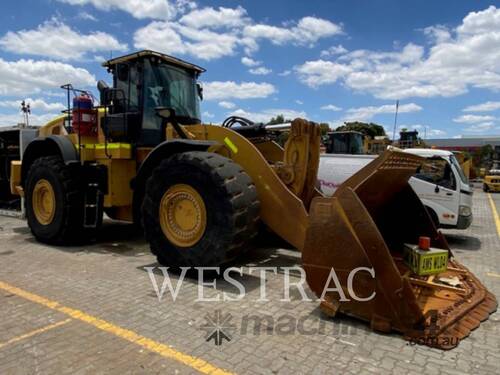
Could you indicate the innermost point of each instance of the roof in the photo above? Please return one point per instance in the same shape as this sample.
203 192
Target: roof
428 152
464 142
170 59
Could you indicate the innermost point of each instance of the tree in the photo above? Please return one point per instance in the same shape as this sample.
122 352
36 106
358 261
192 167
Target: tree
369 129
483 156
280 119
325 128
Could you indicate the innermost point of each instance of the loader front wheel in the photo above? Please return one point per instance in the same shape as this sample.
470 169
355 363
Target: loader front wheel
200 209
54 202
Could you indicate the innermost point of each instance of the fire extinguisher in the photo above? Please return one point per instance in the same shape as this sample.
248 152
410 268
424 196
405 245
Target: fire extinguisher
84 115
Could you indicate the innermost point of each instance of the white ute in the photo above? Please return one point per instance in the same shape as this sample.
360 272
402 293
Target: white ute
440 184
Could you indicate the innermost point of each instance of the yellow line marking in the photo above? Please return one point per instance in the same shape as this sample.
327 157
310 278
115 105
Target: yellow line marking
495 213
146 343
35 332
493 274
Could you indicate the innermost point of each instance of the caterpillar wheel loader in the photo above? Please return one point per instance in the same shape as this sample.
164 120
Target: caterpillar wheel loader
143 155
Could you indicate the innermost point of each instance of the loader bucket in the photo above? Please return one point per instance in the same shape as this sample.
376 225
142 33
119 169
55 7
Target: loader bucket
366 224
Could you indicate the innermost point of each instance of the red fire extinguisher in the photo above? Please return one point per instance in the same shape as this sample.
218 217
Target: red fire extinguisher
84 115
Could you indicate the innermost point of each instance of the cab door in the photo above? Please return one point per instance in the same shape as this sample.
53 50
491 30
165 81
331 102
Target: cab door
436 186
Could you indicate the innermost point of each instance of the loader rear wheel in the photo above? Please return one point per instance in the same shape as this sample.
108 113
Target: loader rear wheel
200 209
54 202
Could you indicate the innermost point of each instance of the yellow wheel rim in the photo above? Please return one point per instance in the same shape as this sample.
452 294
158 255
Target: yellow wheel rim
44 202
183 216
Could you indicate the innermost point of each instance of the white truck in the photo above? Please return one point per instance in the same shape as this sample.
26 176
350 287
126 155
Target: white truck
440 183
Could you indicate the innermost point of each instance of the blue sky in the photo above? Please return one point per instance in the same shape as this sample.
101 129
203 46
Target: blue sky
329 61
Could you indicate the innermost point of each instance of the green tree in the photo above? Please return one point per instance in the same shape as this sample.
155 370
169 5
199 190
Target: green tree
369 129
325 128
280 119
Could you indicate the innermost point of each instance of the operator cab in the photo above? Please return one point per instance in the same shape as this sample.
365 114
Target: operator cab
142 82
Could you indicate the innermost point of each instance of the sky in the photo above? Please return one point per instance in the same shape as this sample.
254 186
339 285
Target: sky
324 60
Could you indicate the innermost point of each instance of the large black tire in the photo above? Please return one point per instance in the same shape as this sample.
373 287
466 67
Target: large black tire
232 209
66 227
486 188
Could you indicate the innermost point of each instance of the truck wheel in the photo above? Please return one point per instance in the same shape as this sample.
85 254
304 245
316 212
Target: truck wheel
485 188
200 209
54 202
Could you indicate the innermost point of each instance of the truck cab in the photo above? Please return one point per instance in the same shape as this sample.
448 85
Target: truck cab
443 188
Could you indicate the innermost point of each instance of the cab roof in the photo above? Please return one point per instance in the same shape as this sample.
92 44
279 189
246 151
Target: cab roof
146 53
428 152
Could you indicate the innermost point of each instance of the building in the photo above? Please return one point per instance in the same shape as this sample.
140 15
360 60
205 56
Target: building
467 143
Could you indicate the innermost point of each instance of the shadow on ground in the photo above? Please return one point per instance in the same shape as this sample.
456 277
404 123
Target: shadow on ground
463 242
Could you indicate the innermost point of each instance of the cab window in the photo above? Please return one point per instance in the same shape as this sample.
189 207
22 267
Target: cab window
437 171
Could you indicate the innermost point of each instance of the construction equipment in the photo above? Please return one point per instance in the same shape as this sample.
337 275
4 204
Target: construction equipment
200 191
13 141
346 142
491 182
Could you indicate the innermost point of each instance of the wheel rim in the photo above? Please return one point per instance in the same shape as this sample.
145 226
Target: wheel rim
183 216
44 202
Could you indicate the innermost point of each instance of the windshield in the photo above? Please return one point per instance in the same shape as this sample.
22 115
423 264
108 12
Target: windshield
345 143
171 87
457 166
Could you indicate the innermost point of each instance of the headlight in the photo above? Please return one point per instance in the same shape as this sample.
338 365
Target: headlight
464 211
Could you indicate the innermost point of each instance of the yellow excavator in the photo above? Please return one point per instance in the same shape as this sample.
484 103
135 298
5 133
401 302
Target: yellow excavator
199 192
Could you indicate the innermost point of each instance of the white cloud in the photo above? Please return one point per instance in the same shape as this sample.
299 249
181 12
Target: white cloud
266 115
321 72
285 73
334 50
210 33
227 105
35 105
260 71
472 119
27 77
435 133
86 16
156 9
483 107
18 118
307 31
450 67
299 102
208 114
480 128
247 61
57 40
216 18
438 33
219 90
331 107
366 113
174 38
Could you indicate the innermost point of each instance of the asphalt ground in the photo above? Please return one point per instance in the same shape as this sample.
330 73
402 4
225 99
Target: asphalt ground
93 310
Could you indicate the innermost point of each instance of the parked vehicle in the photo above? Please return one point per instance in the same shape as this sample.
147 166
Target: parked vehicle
491 182
440 183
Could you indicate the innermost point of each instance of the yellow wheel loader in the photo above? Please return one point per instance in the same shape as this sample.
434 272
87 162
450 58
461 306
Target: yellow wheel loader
199 192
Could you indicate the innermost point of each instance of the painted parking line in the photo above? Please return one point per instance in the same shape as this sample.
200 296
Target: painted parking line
491 274
133 337
495 214
34 333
